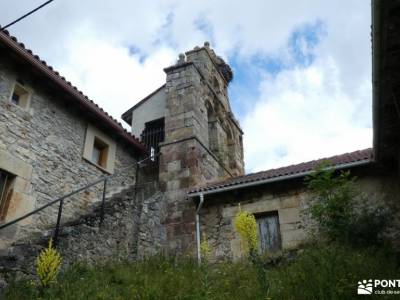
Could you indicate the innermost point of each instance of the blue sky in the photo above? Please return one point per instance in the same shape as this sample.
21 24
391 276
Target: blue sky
250 71
302 85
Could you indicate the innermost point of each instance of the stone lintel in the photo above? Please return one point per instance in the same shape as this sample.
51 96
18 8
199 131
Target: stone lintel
15 165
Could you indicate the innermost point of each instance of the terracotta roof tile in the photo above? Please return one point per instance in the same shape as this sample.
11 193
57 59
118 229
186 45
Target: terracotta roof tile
13 43
334 161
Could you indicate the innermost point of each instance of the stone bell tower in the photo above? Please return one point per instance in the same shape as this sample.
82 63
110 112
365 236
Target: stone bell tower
203 140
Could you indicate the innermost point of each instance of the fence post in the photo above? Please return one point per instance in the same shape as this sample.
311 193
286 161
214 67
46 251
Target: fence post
56 232
103 202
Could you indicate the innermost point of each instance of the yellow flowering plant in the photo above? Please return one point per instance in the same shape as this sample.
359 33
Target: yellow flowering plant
246 226
205 249
48 265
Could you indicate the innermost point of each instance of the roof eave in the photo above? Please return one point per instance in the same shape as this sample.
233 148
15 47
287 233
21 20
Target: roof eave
44 69
274 179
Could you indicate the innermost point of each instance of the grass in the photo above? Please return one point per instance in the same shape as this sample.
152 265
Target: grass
323 272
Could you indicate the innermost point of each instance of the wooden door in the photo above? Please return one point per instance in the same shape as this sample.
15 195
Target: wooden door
269 232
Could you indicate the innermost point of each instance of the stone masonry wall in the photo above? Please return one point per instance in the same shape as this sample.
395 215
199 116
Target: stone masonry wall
186 159
131 230
45 145
289 200
182 170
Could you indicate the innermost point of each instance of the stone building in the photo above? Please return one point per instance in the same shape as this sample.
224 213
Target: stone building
202 140
53 139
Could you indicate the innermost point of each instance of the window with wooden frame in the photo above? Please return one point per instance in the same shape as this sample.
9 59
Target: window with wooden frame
20 96
100 153
99 149
269 232
6 180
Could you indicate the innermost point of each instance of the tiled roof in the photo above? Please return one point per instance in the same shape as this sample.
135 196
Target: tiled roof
282 173
82 101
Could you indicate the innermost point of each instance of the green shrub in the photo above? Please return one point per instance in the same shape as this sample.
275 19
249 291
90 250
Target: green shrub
341 211
330 271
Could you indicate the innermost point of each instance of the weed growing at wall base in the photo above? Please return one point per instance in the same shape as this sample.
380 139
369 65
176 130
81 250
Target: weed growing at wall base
328 271
47 265
246 226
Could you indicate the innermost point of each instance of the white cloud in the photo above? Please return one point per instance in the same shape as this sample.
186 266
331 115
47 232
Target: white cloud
113 75
301 115
307 113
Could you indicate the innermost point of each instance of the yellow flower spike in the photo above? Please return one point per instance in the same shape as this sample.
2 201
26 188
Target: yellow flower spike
47 265
205 249
246 226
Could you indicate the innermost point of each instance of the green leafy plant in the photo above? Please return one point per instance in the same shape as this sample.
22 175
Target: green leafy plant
331 207
334 208
48 265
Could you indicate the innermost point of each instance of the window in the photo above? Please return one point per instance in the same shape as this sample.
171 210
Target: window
20 96
212 129
5 193
269 232
100 153
153 134
99 149
15 98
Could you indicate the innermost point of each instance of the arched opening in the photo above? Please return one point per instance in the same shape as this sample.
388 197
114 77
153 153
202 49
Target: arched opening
231 148
212 128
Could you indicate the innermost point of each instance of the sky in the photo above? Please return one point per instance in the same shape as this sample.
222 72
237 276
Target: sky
302 85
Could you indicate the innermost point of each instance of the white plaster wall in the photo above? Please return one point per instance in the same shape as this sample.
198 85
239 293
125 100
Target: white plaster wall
151 109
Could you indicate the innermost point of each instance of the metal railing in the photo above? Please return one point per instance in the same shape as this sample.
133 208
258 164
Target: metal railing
60 200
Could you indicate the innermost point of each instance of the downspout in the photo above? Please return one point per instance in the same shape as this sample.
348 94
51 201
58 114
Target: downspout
198 227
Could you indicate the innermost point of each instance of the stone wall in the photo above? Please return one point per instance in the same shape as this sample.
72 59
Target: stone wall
187 159
43 146
289 199
183 165
131 229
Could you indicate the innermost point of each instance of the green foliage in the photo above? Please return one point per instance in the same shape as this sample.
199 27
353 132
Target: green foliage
340 210
330 271
246 226
47 265
318 272
331 208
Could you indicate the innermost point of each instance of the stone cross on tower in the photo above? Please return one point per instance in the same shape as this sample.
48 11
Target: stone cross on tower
203 140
